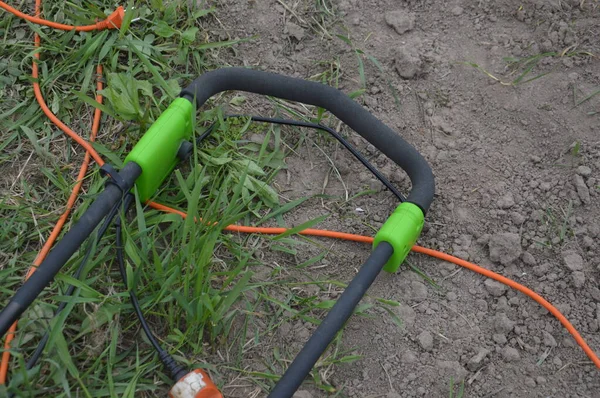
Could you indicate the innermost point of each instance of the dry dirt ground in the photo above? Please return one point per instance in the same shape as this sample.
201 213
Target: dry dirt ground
517 172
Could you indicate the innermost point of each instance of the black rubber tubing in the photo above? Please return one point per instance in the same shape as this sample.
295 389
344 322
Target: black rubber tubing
64 249
333 322
335 101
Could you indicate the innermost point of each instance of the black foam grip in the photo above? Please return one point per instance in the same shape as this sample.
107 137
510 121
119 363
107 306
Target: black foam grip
335 101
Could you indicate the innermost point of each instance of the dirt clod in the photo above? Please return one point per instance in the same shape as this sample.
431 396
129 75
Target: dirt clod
293 30
418 290
578 279
505 247
510 354
476 361
502 323
408 357
582 189
453 368
529 259
496 289
302 394
425 340
529 382
499 338
406 314
400 20
584 171
407 62
549 340
573 260
458 10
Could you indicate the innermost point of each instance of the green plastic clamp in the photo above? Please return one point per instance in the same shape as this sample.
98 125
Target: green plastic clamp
156 151
401 230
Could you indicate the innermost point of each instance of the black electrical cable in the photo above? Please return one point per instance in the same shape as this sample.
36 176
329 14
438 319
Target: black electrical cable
316 126
334 101
177 371
68 245
42 344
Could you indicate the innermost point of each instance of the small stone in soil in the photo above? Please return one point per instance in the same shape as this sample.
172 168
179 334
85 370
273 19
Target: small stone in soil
425 340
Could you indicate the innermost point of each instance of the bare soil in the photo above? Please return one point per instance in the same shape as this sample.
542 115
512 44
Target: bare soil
517 172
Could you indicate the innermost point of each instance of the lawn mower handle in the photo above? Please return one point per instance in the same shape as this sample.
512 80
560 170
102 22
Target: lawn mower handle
68 245
333 100
394 240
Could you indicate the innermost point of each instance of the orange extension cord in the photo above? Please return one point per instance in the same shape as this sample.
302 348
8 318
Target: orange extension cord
75 191
112 22
417 249
90 152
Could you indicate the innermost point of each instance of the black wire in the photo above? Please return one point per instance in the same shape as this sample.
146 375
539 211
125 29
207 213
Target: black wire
316 126
169 362
176 371
42 344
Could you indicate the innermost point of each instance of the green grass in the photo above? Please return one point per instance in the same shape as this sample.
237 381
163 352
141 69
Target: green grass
557 225
456 391
198 286
520 71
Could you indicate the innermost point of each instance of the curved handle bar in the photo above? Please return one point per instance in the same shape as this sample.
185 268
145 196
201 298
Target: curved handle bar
335 101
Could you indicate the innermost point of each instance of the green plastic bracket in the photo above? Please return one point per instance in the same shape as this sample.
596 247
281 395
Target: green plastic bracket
401 230
156 152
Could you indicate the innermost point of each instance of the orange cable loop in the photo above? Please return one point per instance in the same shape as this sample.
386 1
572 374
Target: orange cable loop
423 250
10 335
114 21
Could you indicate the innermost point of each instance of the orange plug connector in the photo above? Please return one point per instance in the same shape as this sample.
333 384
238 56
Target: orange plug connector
114 20
195 384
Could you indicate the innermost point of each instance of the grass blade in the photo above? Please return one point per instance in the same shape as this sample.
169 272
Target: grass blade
301 227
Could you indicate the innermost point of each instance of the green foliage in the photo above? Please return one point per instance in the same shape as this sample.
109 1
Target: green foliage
197 285
456 391
524 67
